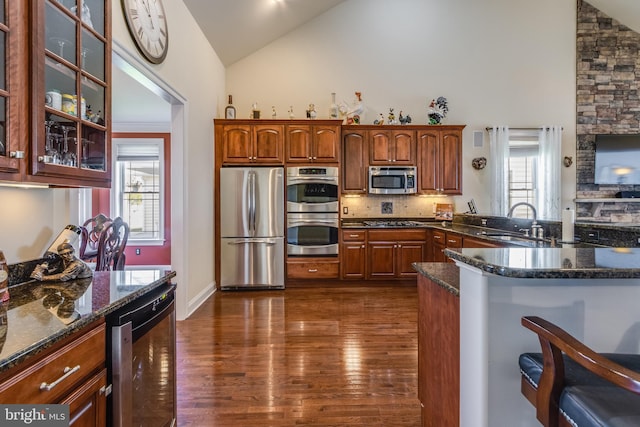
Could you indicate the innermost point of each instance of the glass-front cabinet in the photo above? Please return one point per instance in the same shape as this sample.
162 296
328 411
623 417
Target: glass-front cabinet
71 90
12 66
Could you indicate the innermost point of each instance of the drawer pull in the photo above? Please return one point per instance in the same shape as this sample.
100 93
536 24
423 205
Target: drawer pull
313 270
67 372
452 241
354 235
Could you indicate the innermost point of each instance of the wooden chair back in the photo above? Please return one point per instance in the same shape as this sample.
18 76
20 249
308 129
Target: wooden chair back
90 233
111 246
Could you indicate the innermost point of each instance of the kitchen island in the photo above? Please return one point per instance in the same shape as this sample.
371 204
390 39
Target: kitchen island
590 292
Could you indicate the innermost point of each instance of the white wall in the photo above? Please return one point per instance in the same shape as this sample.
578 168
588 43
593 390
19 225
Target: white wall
496 61
193 70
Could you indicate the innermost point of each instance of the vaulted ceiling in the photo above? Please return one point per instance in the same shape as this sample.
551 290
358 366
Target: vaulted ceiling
237 28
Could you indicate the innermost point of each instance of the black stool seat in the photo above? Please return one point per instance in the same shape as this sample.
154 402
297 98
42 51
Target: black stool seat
588 400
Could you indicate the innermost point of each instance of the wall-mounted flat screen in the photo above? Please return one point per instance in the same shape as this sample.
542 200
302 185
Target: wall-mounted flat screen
617 159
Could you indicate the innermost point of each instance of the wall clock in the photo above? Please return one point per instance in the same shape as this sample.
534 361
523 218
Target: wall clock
147 24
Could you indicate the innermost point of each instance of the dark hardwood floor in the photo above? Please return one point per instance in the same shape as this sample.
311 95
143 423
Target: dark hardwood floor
300 357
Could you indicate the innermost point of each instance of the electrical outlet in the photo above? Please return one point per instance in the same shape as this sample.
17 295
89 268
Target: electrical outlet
345 210
137 251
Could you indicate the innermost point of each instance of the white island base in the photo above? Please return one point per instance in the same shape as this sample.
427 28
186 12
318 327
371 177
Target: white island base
603 313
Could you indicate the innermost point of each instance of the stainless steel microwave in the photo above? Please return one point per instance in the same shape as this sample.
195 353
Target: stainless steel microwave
392 180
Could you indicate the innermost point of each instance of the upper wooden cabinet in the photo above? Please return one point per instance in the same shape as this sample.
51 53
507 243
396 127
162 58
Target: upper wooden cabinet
57 64
440 160
13 88
392 147
355 160
313 143
244 142
71 74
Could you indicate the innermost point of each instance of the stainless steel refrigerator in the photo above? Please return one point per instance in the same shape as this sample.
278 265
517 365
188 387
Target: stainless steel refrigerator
252 245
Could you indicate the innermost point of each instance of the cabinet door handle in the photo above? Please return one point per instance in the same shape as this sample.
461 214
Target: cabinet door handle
67 372
17 154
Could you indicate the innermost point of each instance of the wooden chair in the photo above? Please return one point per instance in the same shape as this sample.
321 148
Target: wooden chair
570 384
111 246
90 236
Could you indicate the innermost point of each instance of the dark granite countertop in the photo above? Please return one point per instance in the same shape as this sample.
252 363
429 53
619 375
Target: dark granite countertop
39 314
445 274
548 263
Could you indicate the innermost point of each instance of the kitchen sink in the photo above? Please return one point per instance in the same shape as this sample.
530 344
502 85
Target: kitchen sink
515 238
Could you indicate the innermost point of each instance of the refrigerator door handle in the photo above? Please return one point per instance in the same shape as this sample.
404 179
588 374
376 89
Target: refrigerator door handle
252 202
246 241
319 222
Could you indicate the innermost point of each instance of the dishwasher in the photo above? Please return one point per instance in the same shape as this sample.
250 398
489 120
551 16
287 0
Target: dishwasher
141 354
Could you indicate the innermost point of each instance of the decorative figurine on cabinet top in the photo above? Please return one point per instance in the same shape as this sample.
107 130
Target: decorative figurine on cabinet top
379 120
311 112
392 117
352 112
404 120
438 110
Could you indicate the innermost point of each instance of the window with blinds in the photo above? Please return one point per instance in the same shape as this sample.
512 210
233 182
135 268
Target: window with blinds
523 168
138 186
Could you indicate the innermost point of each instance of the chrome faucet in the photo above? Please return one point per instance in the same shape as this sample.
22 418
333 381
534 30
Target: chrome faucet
533 210
536 230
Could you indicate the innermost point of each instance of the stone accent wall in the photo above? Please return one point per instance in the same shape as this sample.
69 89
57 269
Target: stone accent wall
608 102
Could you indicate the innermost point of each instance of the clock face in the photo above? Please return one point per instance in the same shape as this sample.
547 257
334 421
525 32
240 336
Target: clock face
148 27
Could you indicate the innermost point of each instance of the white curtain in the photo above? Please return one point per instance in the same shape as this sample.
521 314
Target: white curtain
499 162
549 160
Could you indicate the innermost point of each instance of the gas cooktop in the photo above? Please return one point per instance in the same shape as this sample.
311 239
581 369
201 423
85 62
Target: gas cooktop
392 223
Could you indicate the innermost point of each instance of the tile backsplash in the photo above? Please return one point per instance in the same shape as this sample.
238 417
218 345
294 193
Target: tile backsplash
392 206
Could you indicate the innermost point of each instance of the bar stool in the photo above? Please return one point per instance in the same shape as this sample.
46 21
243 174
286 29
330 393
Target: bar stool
569 384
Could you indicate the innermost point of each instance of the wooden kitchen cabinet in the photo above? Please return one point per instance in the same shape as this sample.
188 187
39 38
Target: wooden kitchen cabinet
442 240
313 268
313 143
243 142
390 253
14 65
70 96
392 147
471 242
440 160
355 160
438 355
76 375
353 254
88 403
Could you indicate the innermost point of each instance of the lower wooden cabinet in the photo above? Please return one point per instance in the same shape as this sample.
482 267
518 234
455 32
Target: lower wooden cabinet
353 254
313 268
381 254
438 355
88 402
74 374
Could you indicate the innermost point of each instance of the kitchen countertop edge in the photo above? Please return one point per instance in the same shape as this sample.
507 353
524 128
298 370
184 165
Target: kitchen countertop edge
36 348
444 274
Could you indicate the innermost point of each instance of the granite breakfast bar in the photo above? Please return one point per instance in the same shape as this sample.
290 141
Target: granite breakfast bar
591 292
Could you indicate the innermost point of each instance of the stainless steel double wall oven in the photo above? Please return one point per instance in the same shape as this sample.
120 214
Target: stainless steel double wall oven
312 211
